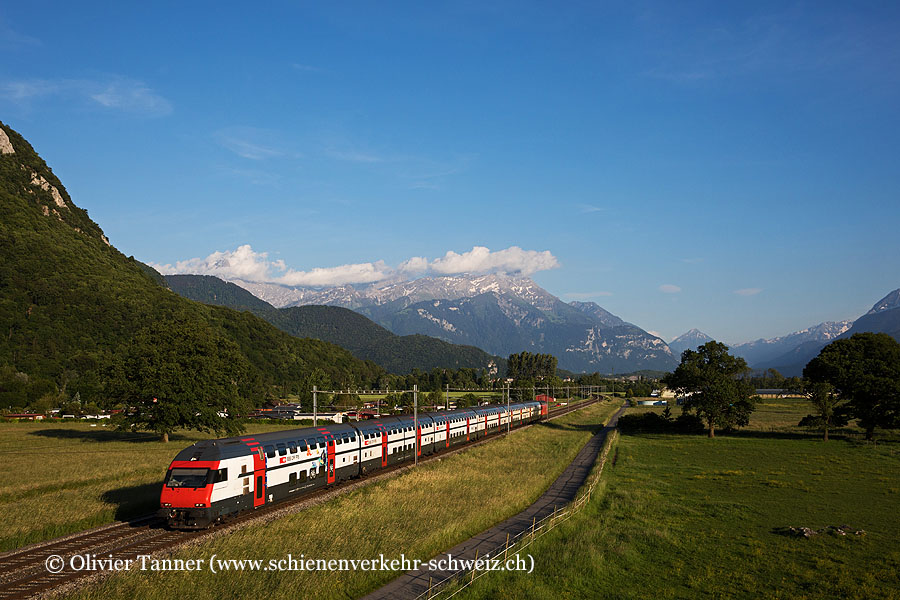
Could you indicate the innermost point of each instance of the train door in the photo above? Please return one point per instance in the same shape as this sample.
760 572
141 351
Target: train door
384 441
330 459
259 477
419 440
448 434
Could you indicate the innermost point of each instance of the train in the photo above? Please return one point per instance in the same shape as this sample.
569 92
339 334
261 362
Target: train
214 480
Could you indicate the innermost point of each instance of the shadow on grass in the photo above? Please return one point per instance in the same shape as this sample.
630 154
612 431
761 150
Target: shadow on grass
104 435
134 500
592 427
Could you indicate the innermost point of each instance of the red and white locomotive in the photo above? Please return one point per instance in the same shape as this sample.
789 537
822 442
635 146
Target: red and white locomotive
214 479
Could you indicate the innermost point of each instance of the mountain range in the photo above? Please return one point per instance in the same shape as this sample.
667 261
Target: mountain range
499 313
790 353
504 314
344 327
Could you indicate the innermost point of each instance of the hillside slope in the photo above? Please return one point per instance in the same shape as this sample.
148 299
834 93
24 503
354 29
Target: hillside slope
341 326
69 300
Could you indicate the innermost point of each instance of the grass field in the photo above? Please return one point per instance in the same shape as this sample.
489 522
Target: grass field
688 517
65 477
419 514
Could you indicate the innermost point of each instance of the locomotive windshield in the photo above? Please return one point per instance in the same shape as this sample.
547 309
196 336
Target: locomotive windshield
192 478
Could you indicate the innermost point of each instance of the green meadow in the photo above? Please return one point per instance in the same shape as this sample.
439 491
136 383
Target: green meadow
419 513
688 517
63 477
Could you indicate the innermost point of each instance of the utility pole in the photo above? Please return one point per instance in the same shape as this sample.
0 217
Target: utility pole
448 397
315 409
416 421
508 414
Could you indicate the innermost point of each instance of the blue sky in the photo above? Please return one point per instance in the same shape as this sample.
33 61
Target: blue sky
713 165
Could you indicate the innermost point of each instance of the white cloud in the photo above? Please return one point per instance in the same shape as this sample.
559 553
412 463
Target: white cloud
13 40
116 93
342 275
251 142
590 208
481 260
747 291
244 263
669 288
414 265
132 96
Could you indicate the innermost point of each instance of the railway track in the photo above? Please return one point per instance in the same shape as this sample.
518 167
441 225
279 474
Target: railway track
40 568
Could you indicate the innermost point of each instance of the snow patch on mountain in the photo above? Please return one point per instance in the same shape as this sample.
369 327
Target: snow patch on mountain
889 302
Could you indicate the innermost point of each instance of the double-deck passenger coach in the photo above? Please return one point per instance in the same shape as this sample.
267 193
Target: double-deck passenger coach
214 479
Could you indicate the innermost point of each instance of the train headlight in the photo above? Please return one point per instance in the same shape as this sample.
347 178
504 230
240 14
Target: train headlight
167 504
200 505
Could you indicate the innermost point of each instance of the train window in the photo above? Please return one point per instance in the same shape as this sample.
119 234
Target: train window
259 486
338 442
270 451
220 475
292 478
321 441
302 475
302 445
282 449
193 478
293 446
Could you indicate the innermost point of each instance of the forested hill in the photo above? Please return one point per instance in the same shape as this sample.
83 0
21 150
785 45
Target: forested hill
341 326
71 305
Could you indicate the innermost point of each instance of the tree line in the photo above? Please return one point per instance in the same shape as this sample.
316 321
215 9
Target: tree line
853 378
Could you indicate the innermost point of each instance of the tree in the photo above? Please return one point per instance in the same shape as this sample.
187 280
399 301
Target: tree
827 406
526 365
315 378
864 371
708 380
436 398
467 400
181 374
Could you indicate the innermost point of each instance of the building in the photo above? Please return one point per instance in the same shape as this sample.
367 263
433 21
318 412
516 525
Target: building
24 417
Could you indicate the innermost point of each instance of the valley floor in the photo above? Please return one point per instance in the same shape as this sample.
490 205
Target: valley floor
687 517
417 514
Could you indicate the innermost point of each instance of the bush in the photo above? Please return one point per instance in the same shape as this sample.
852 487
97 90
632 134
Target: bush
651 422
